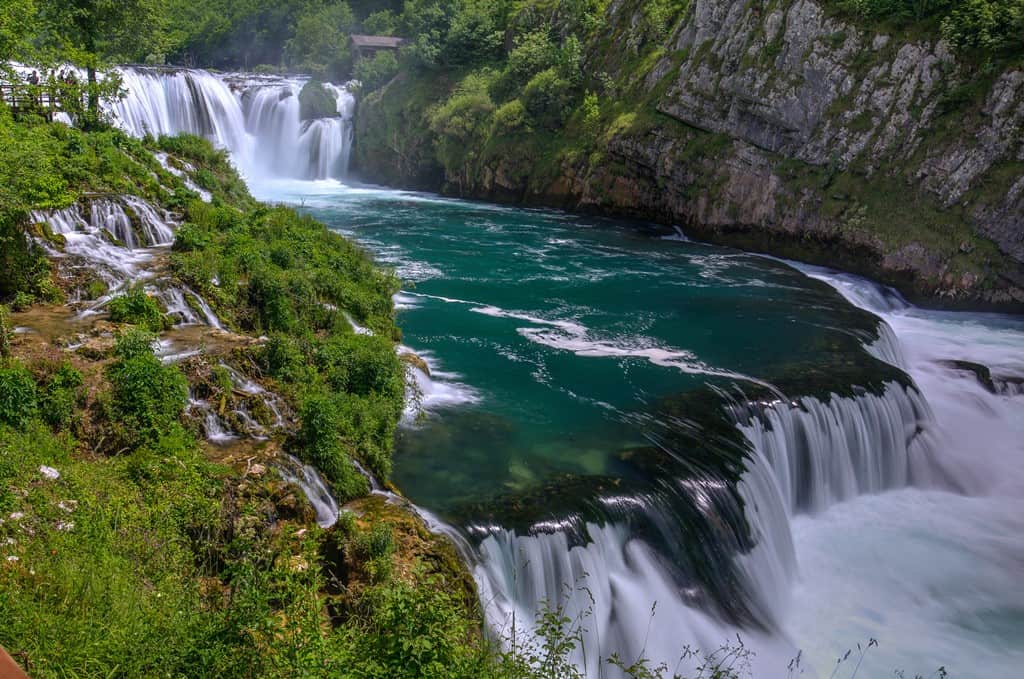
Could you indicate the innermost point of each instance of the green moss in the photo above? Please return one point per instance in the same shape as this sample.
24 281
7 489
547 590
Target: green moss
316 101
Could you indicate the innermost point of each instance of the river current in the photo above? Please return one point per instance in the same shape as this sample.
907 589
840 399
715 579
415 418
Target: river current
578 369
677 444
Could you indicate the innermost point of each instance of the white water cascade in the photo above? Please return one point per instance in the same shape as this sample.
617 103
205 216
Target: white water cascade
256 119
109 241
312 484
805 457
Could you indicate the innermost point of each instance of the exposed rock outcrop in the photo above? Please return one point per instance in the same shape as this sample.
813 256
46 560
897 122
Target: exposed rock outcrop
777 127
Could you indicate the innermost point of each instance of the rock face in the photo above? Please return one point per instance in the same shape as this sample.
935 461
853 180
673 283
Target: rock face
779 128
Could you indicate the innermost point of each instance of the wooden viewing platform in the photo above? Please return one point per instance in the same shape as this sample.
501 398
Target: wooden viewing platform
28 98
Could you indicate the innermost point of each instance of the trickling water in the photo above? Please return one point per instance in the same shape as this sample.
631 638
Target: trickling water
312 484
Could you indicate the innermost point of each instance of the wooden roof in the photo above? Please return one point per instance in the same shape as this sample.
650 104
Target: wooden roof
378 41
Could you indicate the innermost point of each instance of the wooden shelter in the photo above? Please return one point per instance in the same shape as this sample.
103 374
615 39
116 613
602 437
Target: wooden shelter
367 46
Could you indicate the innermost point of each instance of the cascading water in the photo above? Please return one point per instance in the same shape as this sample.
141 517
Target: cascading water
312 484
257 119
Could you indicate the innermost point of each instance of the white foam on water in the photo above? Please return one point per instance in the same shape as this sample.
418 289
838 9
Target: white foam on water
934 576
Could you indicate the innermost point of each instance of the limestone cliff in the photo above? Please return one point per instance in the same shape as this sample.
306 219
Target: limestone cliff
775 126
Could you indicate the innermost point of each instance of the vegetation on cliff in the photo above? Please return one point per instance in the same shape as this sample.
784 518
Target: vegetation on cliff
130 546
600 107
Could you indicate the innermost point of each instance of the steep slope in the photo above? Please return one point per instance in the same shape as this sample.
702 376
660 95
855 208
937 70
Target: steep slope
773 126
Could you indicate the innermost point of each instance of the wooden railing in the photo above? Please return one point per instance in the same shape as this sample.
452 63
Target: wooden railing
43 100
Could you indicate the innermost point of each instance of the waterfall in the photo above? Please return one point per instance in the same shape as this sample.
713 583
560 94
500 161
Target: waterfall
312 484
643 594
108 243
255 118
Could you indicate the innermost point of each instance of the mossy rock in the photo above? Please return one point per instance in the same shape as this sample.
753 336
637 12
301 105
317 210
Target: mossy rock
316 101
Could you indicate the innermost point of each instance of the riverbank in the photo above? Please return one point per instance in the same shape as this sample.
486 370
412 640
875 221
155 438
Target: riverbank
796 132
175 356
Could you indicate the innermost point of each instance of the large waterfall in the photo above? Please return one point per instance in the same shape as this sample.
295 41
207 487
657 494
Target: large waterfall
255 118
720 534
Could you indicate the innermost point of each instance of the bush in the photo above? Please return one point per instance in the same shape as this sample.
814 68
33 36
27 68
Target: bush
282 357
376 72
18 395
510 118
6 332
137 308
993 25
61 396
147 398
534 52
547 98
321 445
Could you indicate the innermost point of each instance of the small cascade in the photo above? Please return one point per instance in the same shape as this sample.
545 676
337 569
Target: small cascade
215 429
88 242
110 215
177 307
312 484
209 317
156 229
256 119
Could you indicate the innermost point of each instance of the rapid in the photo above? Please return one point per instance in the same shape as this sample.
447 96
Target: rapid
679 444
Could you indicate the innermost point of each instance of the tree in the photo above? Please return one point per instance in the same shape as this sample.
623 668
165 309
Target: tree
15 22
93 32
320 38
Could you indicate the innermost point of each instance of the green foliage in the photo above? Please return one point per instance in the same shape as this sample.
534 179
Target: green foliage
316 101
373 73
383 22
318 43
137 308
509 119
321 444
534 52
61 396
991 25
548 98
15 28
6 332
18 395
410 632
146 398
462 122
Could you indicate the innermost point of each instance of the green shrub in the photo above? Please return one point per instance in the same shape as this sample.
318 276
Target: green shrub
320 441
60 396
6 332
547 97
375 72
993 25
147 398
533 53
137 308
22 300
18 395
510 118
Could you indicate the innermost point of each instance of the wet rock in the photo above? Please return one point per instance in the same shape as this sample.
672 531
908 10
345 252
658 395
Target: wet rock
415 361
981 373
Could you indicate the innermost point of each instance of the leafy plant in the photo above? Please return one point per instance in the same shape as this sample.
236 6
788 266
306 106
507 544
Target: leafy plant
137 308
18 395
